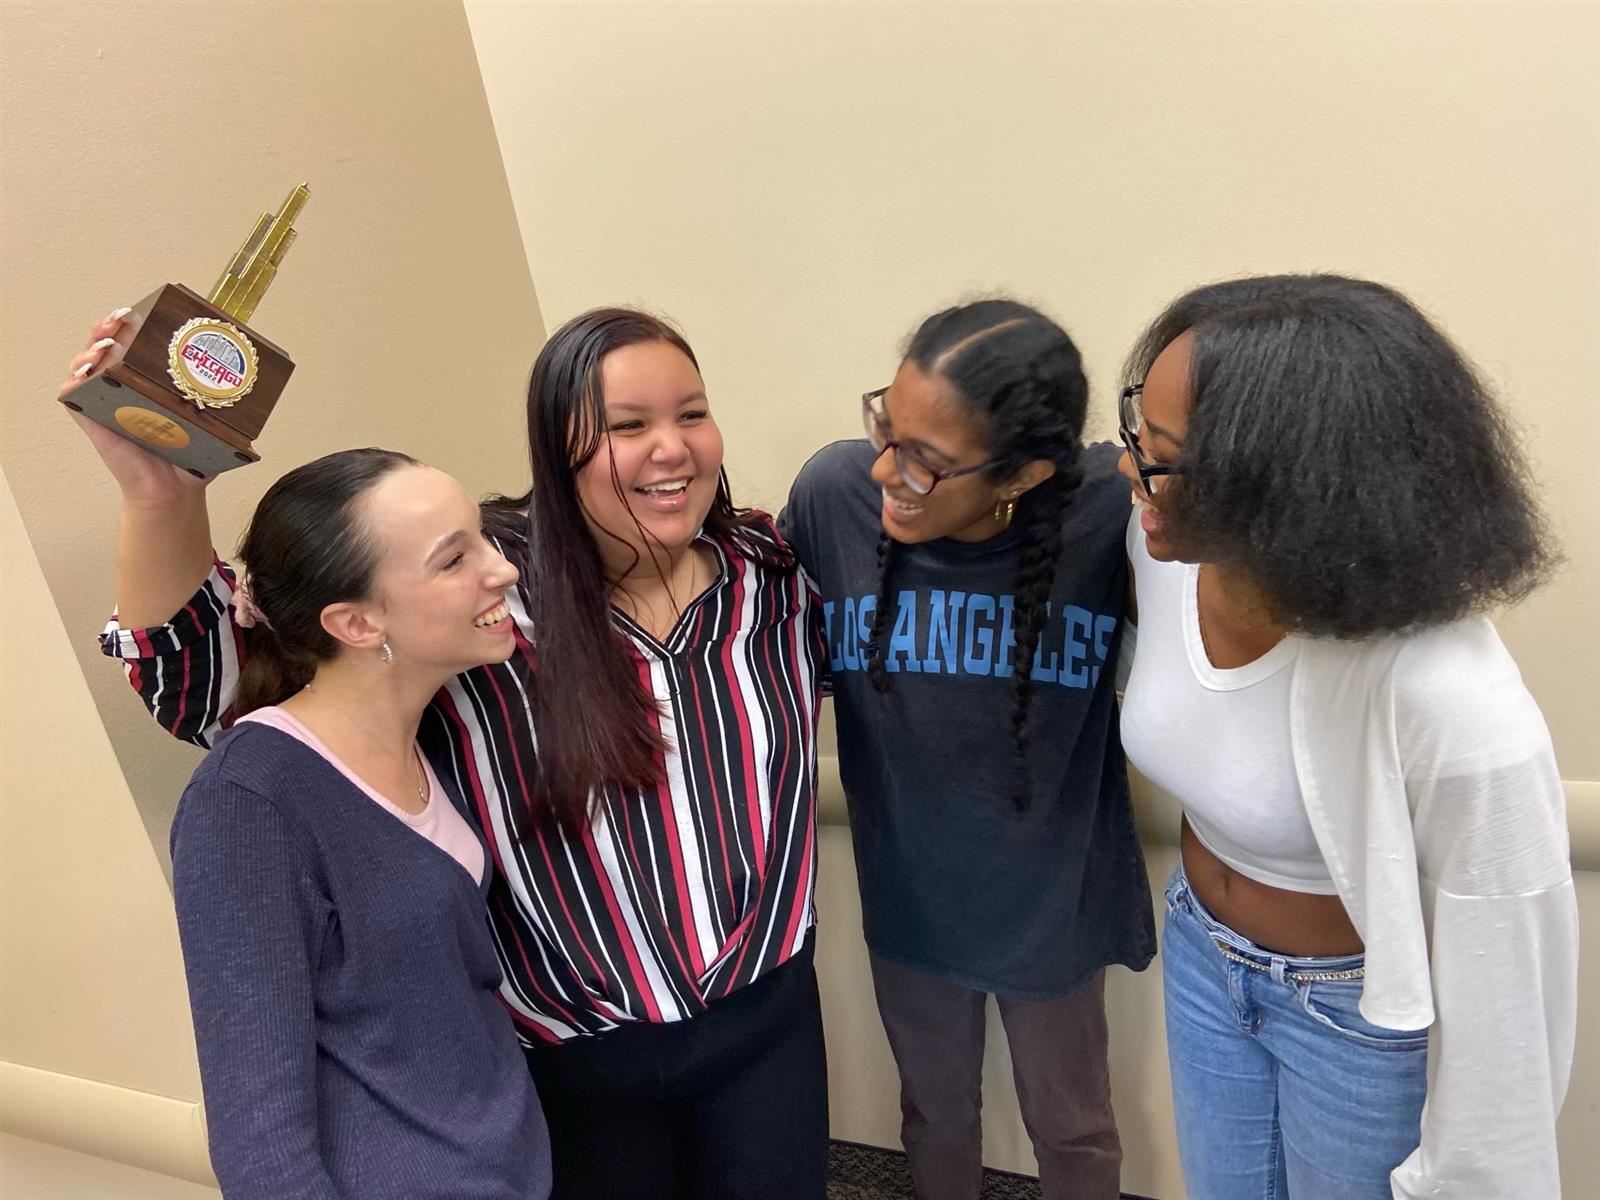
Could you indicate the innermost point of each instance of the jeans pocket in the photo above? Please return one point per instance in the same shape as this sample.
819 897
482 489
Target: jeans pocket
1336 1005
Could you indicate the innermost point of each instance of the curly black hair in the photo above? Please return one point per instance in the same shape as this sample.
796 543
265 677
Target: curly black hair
1023 377
1344 456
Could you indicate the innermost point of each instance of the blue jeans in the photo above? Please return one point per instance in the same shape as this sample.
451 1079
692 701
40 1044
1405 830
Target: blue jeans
1281 1089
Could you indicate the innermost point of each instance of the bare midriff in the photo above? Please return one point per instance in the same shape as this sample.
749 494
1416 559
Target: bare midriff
1294 924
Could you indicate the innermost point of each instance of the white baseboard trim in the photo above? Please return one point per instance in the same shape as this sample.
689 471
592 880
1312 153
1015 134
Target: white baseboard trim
137 1129
1583 821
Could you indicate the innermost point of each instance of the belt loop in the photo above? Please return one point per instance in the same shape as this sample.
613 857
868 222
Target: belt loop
1179 900
1276 969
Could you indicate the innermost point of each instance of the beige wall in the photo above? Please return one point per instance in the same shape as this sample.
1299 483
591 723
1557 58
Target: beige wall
93 1001
799 183
140 140
32 1170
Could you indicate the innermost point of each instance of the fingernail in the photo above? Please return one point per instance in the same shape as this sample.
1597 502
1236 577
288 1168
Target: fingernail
118 314
83 370
104 344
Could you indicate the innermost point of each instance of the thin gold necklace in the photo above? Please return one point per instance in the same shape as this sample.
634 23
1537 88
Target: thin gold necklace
636 610
415 769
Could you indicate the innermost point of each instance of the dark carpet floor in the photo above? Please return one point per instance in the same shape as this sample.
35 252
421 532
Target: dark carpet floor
870 1173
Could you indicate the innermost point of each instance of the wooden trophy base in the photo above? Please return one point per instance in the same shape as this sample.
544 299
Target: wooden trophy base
180 432
138 399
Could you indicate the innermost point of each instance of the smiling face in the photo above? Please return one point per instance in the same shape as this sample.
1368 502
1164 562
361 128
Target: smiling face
1162 428
653 480
438 591
925 415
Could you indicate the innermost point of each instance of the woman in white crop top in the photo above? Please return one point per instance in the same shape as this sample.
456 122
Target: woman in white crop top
1375 905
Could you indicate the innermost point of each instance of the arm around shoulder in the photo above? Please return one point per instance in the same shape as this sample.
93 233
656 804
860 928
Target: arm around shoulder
186 669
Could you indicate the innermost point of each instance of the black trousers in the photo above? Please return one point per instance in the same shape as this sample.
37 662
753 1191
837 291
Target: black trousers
729 1105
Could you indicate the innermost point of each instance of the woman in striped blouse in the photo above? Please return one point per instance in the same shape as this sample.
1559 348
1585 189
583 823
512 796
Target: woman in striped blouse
642 769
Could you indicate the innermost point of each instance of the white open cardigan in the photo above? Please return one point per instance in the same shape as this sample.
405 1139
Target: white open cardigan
1428 774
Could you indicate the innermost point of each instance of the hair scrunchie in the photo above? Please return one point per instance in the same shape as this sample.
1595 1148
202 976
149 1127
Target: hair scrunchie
246 613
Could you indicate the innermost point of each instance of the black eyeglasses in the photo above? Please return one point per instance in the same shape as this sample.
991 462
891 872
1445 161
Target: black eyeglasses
915 471
1129 418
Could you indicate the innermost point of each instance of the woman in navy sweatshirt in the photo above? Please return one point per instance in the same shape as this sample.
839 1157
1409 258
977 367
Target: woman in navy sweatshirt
969 557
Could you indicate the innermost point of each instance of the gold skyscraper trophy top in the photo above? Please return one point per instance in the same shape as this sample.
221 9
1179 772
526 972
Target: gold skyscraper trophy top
251 271
196 384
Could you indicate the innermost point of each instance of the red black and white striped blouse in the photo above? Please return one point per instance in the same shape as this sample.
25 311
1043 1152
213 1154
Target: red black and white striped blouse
671 898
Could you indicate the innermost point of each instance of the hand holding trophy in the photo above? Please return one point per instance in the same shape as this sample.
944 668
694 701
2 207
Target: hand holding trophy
184 377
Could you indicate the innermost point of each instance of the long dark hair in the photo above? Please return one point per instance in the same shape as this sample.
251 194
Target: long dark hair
1345 457
306 548
595 722
1022 376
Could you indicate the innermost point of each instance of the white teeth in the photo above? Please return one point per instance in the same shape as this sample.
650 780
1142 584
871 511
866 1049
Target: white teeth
493 617
665 489
900 507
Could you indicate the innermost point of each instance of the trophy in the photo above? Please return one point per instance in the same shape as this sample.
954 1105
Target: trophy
197 384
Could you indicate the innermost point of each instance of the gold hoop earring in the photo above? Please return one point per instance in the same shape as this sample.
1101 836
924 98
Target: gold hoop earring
1004 509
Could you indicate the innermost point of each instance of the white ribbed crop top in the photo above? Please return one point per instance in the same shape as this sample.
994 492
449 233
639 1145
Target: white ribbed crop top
1217 740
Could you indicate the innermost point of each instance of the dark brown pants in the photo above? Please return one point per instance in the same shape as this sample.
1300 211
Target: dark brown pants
1058 1057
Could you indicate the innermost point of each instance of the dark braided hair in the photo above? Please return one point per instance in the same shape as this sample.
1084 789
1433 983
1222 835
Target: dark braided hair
1023 378
877 673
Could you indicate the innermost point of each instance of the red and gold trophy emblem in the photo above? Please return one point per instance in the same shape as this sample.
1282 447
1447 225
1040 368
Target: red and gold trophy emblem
197 384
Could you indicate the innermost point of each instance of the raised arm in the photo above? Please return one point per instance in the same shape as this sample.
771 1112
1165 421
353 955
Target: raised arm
164 534
173 627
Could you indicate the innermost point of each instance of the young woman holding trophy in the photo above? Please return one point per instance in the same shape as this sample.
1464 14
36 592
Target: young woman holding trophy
639 759
343 981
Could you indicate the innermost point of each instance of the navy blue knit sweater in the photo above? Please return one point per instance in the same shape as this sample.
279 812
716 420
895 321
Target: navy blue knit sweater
343 982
